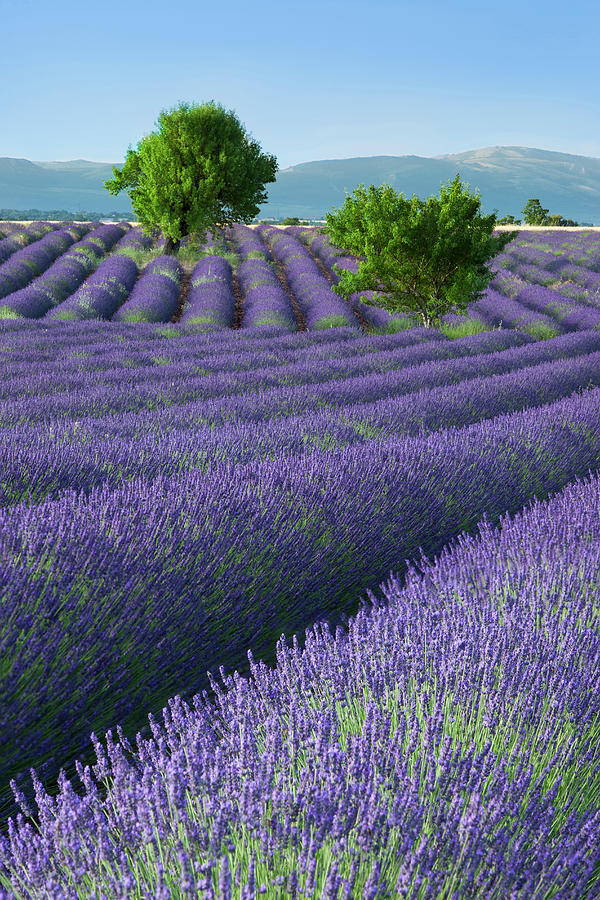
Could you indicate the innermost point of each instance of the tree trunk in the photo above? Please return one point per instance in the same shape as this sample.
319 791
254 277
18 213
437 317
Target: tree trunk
171 246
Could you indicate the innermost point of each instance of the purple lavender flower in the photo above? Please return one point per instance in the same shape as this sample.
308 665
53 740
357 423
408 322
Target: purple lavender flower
23 265
265 302
320 306
210 302
155 295
62 278
102 292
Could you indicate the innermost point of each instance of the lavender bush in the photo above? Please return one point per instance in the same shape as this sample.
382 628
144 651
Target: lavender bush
320 306
21 237
180 499
63 277
155 296
463 698
24 264
102 293
210 302
265 302
499 309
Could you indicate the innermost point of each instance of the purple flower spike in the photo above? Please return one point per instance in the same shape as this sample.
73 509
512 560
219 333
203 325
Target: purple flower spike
210 302
155 295
265 301
102 293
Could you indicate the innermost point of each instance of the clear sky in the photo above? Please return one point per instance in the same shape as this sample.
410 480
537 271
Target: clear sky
319 79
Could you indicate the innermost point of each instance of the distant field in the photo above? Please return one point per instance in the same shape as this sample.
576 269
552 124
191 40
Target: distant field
202 453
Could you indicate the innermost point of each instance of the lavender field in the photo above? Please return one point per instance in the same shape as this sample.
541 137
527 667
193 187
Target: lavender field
298 599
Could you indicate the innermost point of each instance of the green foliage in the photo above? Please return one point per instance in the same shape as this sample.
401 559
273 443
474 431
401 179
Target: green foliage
140 256
557 219
508 220
534 212
332 322
463 329
541 331
427 256
199 171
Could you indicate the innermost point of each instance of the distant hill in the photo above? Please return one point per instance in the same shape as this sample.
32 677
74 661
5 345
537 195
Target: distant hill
505 176
72 185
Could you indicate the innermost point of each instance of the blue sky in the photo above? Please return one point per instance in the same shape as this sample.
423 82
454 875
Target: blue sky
310 80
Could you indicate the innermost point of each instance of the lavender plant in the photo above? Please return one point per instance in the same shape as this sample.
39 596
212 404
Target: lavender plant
22 237
320 306
102 292
155 295
447 744
24 264
64 276
181 499
210 303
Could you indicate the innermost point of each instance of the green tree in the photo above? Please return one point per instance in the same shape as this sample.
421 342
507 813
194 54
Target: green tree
427 256
534 212
557 219
198 172
508 220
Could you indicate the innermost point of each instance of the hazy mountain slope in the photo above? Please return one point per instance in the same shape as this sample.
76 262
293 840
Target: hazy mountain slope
72 185
505 176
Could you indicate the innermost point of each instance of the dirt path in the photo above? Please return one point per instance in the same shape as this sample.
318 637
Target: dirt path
298 314
238 313
184 290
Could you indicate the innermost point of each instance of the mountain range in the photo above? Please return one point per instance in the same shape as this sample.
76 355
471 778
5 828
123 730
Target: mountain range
506 178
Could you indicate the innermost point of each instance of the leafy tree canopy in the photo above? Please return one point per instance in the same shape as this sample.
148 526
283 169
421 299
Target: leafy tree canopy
534 212
426 256
198 172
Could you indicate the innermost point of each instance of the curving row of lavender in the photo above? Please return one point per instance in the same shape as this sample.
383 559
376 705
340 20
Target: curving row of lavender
157 545
210 303
93 451
323 777
64 276
265 302
25 264
500 310
248 404
21 237
320 306
155 295
101 293
275 391
175 497
563 279
582 248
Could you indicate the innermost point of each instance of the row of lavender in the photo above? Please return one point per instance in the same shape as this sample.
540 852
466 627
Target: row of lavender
540 313
94 451
157 472
56 277
446 746
309 301
552 275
